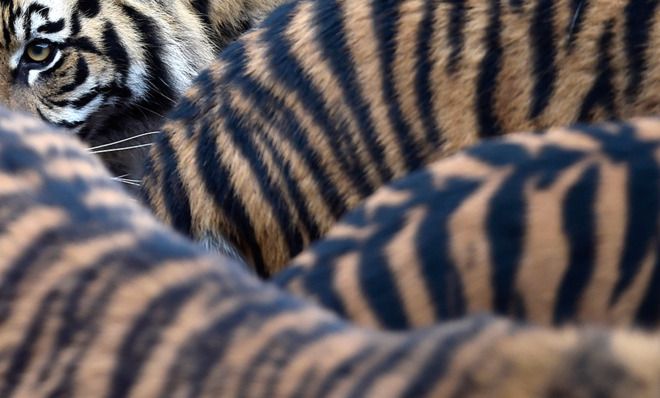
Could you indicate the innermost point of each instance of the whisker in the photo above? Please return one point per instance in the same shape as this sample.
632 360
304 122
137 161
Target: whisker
121 149
131 180
574 20
135 184
124 140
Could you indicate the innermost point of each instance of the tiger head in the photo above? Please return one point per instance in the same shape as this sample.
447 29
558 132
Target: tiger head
99 68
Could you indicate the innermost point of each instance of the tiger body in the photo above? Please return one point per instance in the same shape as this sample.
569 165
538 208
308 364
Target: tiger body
551 228
308 114
112 69
99 300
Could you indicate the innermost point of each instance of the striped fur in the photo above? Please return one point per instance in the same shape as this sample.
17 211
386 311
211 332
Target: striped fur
98 300
116 66
328 100
550 228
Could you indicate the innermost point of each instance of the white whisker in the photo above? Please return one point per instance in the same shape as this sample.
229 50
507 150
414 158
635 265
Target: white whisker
575 17
124 140
131 180
122 149
127 182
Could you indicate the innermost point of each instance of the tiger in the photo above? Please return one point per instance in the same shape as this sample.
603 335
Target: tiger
304 116
110 70
549 228
98 299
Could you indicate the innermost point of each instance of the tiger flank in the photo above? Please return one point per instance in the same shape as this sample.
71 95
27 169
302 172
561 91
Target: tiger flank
110 70
99 300
327 100
550 228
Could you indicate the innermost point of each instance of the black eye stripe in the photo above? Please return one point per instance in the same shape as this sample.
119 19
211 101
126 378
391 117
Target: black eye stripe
52 27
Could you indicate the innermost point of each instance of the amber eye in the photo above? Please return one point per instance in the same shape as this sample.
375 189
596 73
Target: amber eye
38 52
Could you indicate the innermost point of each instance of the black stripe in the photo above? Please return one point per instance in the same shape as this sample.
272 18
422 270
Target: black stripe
601 93
12 20
423 78
344 369
202 8
27 21
319 280
244 143
579 224
52 27
385 19
177 201
283 348
290 73
515 4
160 95
84 44
543 48
144 335
439 361
217 180
6 34
227 32
432 242
78 103
79 77
640 15
201 352
643 201
397 356
89 8
488 71
301 206
507 210
115 50
379 288
455 33
332 30
79 327
306 383
19 360
20 270
223 31
648 313
75 24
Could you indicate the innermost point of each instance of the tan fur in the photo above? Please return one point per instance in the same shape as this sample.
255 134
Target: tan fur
113 304
257 109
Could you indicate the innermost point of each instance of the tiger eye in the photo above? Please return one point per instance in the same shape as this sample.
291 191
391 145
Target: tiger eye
38 52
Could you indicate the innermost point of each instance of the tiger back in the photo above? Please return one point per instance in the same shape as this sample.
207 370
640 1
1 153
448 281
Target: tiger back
305 116
99 300
549 228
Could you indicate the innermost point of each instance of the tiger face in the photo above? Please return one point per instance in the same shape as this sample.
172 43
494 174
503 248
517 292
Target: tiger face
99 68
